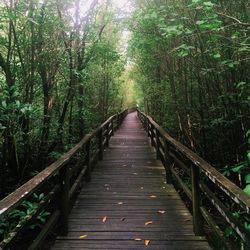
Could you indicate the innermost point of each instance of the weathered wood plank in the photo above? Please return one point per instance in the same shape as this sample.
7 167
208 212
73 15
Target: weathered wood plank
129 188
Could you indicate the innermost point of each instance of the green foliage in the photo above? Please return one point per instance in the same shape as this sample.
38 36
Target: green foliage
189 58
19 216
191 63
59 78
247 189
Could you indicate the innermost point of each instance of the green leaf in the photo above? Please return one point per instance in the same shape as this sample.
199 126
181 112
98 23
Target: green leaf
208 4
217 55
228 231
248 133
247 226
4 104
2 127
248 156
247 179
200 22
238 168
236 215
240 84
233 64
247 189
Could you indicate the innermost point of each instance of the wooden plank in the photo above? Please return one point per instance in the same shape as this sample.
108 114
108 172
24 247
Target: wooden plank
129 190
131 244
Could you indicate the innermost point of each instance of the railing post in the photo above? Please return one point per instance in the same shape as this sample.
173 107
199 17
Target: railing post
157 144
107 135
167 162
64 199
152 135
100 144
112 127
196 197
148 126
118 120
88 161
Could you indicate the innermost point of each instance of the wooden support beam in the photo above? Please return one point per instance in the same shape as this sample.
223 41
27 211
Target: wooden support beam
196 198
64 199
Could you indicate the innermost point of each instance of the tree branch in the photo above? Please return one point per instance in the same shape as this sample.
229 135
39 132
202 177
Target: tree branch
233 18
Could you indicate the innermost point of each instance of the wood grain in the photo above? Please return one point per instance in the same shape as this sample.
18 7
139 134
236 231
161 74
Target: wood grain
129 188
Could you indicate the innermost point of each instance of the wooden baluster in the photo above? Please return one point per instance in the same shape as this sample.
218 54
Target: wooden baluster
148 127
152 134
64 199
112 127
100 144
196 197
107 135
167 162
157 144
88 160
117 121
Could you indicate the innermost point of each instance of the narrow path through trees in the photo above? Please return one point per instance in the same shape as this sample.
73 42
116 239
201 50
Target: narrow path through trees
128 204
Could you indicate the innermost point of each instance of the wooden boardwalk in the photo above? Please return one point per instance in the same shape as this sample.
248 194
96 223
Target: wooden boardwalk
128 205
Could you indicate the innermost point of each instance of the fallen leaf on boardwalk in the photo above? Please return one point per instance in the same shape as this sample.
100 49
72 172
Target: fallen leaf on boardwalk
120 203
146 242
148 222
123 219
104 219
161 211
153 196
106 185
137 239
83 236
141 187
135 173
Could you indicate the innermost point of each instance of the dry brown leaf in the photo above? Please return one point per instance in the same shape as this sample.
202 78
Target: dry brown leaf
153 196
146 242
123 219
137 239
161 211
148 222
120 203
83 236
104 219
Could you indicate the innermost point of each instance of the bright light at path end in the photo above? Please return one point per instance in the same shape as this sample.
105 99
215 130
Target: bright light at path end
124 5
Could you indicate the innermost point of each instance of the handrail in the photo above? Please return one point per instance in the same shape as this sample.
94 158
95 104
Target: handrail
204 177
61 173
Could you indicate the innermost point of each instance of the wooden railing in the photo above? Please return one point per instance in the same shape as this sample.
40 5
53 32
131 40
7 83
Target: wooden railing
49 194
211 193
